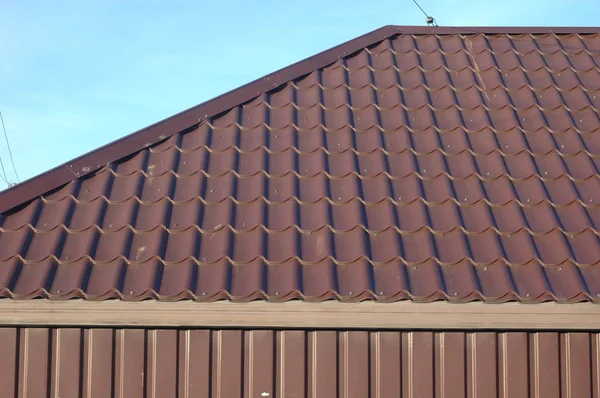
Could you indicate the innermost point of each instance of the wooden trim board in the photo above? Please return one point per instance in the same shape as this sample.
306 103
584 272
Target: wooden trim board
299 314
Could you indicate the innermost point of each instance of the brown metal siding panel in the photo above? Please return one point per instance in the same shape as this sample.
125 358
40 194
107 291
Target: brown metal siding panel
163 361
66 363
195 366
482 365
576 365
513 365
98 362
9 357
292 363
544 365
450 362
259 364
70 362
34 362
228 363
322 364
130 358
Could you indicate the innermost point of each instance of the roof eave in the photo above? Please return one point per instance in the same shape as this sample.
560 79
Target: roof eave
403 315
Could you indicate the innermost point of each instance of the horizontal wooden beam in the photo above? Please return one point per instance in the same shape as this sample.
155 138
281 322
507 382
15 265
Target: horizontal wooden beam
298 314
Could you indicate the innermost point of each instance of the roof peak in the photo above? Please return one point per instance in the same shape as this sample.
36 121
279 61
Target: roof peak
125 146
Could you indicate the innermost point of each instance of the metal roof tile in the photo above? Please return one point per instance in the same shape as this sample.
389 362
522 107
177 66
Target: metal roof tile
421 166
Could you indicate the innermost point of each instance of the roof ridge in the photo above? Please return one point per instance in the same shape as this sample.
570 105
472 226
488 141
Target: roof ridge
180 122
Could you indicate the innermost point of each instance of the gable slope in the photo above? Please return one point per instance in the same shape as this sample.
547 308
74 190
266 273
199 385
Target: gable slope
88 163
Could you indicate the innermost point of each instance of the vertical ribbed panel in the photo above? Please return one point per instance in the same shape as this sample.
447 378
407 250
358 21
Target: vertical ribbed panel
132 363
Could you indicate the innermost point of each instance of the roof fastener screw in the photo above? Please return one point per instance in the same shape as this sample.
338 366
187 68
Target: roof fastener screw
110 225
244 224
424 170
204 293
45 224
58 291
381 292
366 170
559 268
488 173
350 293
212 190
339 198
158 189
591 200
485 268
185 162
276 135
277 293
580 120
131 292
527 294
399 197
456 293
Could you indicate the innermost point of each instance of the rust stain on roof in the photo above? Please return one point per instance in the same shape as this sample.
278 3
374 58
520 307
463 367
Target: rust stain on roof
411 163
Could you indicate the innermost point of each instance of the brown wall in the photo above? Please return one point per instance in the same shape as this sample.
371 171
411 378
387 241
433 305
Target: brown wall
36 362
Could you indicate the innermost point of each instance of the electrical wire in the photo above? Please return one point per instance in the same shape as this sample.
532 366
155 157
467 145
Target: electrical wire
9 151
430 20
421 8
3 175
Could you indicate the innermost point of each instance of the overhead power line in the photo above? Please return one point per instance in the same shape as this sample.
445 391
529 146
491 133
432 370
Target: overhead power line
9 151
428 18
3 175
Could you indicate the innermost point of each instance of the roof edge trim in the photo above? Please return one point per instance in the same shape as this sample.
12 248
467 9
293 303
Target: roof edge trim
405 315
125 146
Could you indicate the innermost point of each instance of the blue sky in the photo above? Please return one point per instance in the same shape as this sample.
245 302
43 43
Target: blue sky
75 75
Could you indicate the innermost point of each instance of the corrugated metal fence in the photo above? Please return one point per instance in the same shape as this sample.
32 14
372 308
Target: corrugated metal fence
131 363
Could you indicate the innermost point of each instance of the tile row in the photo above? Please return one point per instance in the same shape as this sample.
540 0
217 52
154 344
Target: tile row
484 141
505 118
324 280
521 165
573 218
477 42
491 97
485 247
381 187
408 75
509 59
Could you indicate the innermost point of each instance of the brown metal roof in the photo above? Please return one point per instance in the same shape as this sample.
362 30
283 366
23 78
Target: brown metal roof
421 163
90 362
